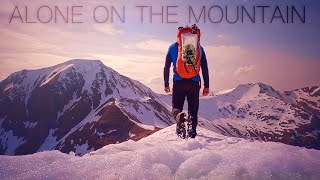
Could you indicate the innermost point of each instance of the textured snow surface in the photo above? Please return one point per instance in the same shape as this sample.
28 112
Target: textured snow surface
164 156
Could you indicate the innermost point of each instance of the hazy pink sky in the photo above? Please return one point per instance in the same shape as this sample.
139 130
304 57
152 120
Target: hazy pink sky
285 56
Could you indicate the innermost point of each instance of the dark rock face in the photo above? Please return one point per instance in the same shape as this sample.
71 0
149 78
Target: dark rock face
79 106
257 111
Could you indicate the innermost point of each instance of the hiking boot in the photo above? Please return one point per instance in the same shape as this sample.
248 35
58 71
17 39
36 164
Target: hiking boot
181 129
192 134
180 118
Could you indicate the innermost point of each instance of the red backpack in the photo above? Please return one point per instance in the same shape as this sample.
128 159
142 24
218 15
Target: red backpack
189 52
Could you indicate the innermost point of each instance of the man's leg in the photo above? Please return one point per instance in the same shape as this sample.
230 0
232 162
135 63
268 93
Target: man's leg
193 105
178 97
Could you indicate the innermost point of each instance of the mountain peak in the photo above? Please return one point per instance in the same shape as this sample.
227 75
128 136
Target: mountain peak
83 64
258 84
83 61
251 89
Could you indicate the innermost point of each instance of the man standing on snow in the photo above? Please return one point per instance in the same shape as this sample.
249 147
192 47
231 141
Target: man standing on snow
187 57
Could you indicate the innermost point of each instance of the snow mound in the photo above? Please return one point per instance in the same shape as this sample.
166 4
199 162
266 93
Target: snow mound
164 156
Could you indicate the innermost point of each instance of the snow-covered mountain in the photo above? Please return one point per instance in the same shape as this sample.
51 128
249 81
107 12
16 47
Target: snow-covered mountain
164 156
82 105
79 106
258 111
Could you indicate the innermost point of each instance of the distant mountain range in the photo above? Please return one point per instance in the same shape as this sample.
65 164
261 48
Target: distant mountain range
83 105
258 111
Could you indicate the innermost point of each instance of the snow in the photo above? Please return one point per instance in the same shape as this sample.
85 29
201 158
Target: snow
69 105
111 131
90 76
91 117
144 126
145 113
314 91
131 135
10 141
49 142
302 96
28 124
82 149
164 156
55 72
8 87
225 91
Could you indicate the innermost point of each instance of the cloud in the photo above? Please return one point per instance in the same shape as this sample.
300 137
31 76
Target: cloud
224 37
225 53
24 43
130 57
6 7
143 68
10 63
154 44
109 29
244 70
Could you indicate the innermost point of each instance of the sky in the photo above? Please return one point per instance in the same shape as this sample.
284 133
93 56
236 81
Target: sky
285 56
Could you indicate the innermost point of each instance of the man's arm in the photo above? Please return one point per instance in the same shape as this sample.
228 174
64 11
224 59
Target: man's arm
166 70
205 70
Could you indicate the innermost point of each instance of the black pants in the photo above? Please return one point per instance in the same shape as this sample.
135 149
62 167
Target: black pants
190 89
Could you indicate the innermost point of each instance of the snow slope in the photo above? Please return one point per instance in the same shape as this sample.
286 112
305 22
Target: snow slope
163 156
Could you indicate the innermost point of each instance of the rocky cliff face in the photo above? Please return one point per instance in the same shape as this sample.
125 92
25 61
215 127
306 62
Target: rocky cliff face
79 105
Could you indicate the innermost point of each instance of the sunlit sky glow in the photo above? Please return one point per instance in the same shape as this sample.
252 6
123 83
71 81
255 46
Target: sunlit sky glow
286 56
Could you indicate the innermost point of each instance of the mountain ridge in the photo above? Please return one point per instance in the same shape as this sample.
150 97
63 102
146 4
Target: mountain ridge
82 105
